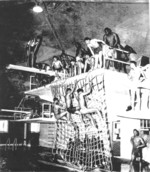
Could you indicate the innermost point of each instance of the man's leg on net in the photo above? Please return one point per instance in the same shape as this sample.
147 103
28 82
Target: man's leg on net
90 111
61 115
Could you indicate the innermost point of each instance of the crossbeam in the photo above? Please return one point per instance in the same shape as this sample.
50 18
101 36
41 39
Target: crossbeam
117 61
117 49
133 114
35 120
6 116
100 1
15 111
29 69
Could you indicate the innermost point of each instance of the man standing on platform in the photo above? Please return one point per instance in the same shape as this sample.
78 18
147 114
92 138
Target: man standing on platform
137 145
32 49
57 64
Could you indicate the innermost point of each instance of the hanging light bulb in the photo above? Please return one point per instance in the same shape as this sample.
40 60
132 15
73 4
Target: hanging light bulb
37 9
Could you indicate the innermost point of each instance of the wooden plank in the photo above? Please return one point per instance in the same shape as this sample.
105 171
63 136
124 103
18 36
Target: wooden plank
38 120
29 69
117 49
47 142
72 167
104 1
137 115
11 144
117 61
15 111
48 146
6 116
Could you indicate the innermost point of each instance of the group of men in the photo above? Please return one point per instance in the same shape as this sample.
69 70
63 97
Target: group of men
101 51
65 109
95 55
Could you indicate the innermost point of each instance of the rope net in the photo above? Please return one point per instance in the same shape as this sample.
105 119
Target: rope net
78 142
83 145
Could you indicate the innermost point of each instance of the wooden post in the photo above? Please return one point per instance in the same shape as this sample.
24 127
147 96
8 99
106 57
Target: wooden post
25 134
99 1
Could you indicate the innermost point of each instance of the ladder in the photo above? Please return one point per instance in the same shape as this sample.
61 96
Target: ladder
32 82
46 110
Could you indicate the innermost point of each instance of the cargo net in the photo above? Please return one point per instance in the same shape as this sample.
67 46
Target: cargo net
83 146
78 143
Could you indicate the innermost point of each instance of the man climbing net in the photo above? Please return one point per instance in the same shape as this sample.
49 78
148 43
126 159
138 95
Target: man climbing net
82 104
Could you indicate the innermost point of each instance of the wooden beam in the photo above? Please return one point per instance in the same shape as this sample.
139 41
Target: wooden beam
15 111
136 114
71 167
101 1
29 69
105 1
36 120
122 62
6 116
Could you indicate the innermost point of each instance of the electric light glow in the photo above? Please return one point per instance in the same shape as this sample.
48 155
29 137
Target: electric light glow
37 9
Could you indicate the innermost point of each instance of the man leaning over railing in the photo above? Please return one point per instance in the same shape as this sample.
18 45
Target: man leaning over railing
112 41
95 47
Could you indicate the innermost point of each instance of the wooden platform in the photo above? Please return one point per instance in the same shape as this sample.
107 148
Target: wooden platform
64 166
35 120
138 115
15 111
29 69
70 166
45 91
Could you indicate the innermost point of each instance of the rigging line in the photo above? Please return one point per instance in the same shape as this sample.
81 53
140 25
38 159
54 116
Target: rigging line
58 7
50 24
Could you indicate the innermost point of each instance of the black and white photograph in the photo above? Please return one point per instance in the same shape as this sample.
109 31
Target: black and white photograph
74 86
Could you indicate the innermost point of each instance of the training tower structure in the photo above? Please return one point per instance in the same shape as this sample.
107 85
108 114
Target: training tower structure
73 144
79 144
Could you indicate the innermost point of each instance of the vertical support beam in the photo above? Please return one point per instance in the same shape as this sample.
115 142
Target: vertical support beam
25 134
149 13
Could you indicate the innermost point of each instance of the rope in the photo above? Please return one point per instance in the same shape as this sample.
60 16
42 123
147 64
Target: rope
92 156
50 24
